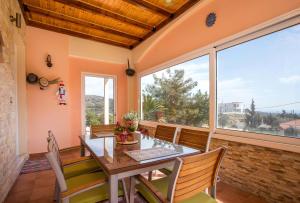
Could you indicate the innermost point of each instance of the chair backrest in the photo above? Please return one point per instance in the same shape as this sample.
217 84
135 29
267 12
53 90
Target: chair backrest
167 133
195 138
54 162
53 147
193 174
102 129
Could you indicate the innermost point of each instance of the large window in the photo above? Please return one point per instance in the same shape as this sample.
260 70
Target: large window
99 100
178 95
258 85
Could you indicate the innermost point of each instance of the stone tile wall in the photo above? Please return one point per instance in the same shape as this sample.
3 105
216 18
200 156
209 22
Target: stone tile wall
10 162
271 174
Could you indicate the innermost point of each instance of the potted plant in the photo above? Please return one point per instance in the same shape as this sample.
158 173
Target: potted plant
131 121
119 129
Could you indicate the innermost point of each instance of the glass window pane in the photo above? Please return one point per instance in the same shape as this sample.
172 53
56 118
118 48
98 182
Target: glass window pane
99 105
94 100
258 85
178 95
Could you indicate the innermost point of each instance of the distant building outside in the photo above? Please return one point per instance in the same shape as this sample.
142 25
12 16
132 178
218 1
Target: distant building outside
232 107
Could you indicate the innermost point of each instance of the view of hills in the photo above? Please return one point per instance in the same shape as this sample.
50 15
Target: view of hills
95 103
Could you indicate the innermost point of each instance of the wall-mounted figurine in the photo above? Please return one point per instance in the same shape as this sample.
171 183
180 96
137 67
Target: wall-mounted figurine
61 93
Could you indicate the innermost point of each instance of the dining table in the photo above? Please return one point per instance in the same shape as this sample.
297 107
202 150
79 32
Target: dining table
120 161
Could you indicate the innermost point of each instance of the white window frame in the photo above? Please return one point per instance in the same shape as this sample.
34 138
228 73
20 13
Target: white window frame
104 76
264 140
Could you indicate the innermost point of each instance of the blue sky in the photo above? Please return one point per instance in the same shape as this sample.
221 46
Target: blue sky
266 69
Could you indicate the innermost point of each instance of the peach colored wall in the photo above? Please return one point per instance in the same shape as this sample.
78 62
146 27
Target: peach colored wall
233 16
80 65
43 111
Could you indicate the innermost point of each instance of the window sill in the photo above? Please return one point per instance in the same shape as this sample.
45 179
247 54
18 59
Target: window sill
262 140
154 124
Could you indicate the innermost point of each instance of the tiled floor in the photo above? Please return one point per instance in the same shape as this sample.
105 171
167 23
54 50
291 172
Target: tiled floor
38 187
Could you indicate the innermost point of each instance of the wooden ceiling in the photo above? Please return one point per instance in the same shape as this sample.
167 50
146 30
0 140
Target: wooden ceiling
124 23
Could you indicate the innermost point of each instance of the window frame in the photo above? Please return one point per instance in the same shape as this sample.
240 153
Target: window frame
265 140
104 76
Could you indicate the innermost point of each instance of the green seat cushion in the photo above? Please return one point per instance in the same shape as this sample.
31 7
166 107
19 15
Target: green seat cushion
96 194
162 185
80 168
84 179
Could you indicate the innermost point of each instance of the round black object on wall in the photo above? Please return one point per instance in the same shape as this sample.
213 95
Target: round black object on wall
32 78
211 19
130 72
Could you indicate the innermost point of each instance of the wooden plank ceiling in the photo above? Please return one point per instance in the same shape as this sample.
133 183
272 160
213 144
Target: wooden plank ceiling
124 23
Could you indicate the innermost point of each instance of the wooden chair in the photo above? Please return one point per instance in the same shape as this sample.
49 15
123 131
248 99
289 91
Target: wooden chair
191 176
71 167
195 139
167 133
97 129
89 187
74 168
192 138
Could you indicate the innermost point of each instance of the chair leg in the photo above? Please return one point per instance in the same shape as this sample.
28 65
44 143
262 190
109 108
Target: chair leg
132 190
213 191
65 200
125 190
150 175
82 149
56 191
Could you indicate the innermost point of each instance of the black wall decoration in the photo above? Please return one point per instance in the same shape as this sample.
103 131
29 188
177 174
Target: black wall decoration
48 61
129 71
211 19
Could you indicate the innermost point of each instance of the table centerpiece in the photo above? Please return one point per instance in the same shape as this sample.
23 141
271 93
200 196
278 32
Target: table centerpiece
125 133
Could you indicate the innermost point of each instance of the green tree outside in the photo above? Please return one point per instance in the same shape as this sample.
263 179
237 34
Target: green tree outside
170 98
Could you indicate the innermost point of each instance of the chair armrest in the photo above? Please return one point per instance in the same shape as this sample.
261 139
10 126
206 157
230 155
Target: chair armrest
152 188
81 188
75 160
165 171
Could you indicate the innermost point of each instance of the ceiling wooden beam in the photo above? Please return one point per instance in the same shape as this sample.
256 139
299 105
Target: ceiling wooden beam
150 6
80 4
63 30
80 22
23 10
181 10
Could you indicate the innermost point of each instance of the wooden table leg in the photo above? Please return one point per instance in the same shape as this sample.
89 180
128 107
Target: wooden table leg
113 189
132 190
82 149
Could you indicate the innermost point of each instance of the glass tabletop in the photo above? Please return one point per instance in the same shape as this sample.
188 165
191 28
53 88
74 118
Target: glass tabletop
113 158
